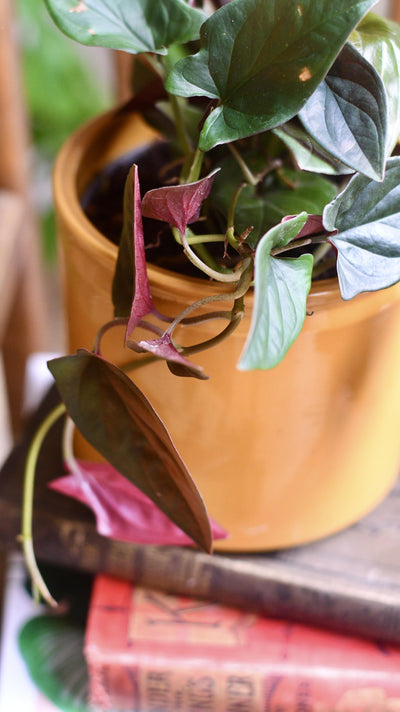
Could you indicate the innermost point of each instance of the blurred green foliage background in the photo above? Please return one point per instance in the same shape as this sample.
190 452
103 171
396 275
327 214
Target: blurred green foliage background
62 90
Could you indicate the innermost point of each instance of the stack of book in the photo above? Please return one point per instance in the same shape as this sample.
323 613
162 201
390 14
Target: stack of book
170 628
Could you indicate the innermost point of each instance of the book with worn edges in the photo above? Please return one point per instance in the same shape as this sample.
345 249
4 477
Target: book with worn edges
148 650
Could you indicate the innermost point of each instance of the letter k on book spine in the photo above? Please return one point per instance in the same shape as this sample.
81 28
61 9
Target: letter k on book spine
149 651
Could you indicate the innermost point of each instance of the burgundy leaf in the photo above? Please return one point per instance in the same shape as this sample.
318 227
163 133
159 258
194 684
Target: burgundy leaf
313 226
142 300
164 348
118 420
178 205
122 511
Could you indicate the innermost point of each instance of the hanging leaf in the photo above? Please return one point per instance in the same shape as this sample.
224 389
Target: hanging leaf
178 205
52 649
164 348
281 287
347 114
116 419
131 25
262 60
122 511
367 217
378 40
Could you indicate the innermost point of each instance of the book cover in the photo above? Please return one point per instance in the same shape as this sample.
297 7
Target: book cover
348 582
147 651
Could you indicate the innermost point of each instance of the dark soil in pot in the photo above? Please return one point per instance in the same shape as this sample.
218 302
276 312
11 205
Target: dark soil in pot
102 203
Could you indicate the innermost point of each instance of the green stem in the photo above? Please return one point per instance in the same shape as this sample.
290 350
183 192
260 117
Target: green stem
236 316
244 283
298 243
230 232
195 168
119 321
200 264
248 175
199 239
38 584
179 125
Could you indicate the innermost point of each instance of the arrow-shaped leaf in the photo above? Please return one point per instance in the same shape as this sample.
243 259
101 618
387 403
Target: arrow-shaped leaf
347 114
116 419
131 25
281 287
378 40
262 61
178 205
367 217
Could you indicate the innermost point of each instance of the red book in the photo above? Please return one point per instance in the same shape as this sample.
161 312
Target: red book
151 652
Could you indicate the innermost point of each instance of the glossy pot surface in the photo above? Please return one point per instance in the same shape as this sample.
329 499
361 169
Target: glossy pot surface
281 457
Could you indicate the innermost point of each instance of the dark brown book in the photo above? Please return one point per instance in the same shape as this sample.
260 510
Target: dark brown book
348 582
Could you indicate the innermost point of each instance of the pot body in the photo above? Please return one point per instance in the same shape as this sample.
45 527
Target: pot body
281 457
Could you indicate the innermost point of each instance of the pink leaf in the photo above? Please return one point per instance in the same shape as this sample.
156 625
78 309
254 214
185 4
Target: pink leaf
164 348
122 511
313 226
142 302
178 205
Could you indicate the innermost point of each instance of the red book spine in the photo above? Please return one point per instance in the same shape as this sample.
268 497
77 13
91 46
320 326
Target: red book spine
151 652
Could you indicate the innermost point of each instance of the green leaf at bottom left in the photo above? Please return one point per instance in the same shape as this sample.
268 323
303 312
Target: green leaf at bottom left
118 420
53 652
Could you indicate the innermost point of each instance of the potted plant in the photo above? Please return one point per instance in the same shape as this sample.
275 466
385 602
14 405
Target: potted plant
268 129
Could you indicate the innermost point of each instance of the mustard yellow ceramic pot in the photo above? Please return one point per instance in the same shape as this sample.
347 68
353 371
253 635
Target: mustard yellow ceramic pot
281 457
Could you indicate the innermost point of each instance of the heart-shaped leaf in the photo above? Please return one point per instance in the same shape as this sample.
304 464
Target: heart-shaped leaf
281 287
367 217
262 61
378 40
347 114
178 205
116 418
122 511
131 25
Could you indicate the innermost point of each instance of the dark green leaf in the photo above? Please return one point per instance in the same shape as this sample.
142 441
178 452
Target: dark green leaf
367 217
287 193
53 652
378 40
116 418
131 25
281 287
262 61
347 114
124 275
308 154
